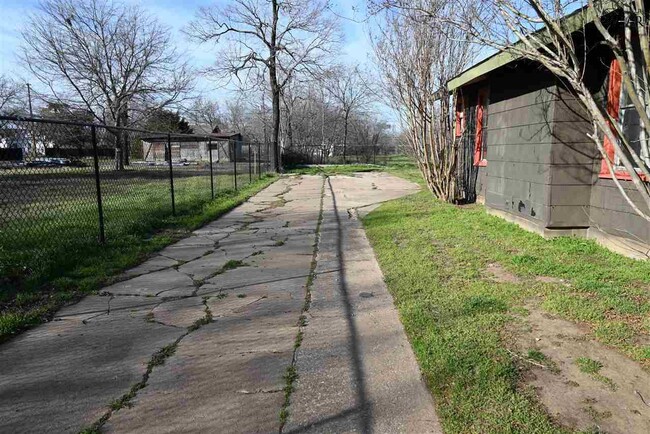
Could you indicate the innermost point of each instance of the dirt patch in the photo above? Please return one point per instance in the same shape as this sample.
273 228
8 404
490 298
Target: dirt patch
590 386
498 273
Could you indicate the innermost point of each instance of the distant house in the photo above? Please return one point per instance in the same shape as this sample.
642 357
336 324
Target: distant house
225 147
525 151
17 142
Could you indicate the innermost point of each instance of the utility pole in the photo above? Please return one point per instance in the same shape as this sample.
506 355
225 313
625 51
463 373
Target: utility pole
29 98
31 115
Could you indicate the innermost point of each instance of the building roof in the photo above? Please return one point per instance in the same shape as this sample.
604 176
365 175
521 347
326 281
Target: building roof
175 137
571 23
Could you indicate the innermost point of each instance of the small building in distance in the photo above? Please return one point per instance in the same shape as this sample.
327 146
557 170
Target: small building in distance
226 147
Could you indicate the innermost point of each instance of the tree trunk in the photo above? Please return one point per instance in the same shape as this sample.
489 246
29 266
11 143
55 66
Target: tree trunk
275 89
345 135
124 121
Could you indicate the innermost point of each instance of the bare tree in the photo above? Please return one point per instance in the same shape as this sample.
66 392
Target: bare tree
276 38
12 96
417 57
113 60
351 91
206 113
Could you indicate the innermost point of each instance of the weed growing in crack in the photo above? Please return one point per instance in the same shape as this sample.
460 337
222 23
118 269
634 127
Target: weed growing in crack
149 317
290 377
206 319
298 341
279 243
221 295
232 264
159 357
198 324
241 295
291 374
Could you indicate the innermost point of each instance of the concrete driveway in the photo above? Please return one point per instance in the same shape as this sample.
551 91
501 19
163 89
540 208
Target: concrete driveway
273 318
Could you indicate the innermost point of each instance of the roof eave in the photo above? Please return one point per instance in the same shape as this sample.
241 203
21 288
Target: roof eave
571 23
481 69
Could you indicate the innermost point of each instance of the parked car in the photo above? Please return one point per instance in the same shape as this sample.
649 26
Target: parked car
55 162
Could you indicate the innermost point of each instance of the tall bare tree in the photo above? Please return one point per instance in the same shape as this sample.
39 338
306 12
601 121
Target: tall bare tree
113 60
417 57
273 38
351 92
206 113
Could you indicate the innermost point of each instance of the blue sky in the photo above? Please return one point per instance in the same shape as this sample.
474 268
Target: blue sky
176 14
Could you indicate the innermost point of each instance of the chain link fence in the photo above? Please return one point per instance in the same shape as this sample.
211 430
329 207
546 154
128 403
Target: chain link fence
355 153
66 185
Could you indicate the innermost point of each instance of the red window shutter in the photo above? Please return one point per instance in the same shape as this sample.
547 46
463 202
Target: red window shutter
460 116
479 159
613 107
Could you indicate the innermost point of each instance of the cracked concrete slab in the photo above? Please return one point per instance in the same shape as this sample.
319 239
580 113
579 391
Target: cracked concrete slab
153 283
180 313
155 263
357 372
60 377
230 331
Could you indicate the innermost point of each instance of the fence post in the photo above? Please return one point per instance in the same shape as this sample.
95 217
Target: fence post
171 172
211 173
234 162
268 156
250 165
100 208
259 161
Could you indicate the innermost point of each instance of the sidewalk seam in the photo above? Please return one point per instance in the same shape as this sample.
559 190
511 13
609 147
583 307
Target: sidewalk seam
291 374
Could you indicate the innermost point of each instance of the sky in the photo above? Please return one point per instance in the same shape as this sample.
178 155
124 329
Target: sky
356 49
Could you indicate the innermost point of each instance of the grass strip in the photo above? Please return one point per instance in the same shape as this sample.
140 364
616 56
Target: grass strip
435 258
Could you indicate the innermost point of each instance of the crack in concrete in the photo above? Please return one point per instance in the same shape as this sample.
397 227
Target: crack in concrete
157 359
291 374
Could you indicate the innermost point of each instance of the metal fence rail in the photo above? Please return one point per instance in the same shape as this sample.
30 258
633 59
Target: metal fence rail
67 184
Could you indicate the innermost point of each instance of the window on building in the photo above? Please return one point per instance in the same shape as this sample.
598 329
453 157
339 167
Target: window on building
620 107
632 128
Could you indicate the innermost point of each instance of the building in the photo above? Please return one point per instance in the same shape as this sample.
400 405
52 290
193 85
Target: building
225 147
525 152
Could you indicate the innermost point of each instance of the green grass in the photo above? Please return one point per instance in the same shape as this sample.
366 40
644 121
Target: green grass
588 366
593 367
40 270
433 256
399 165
